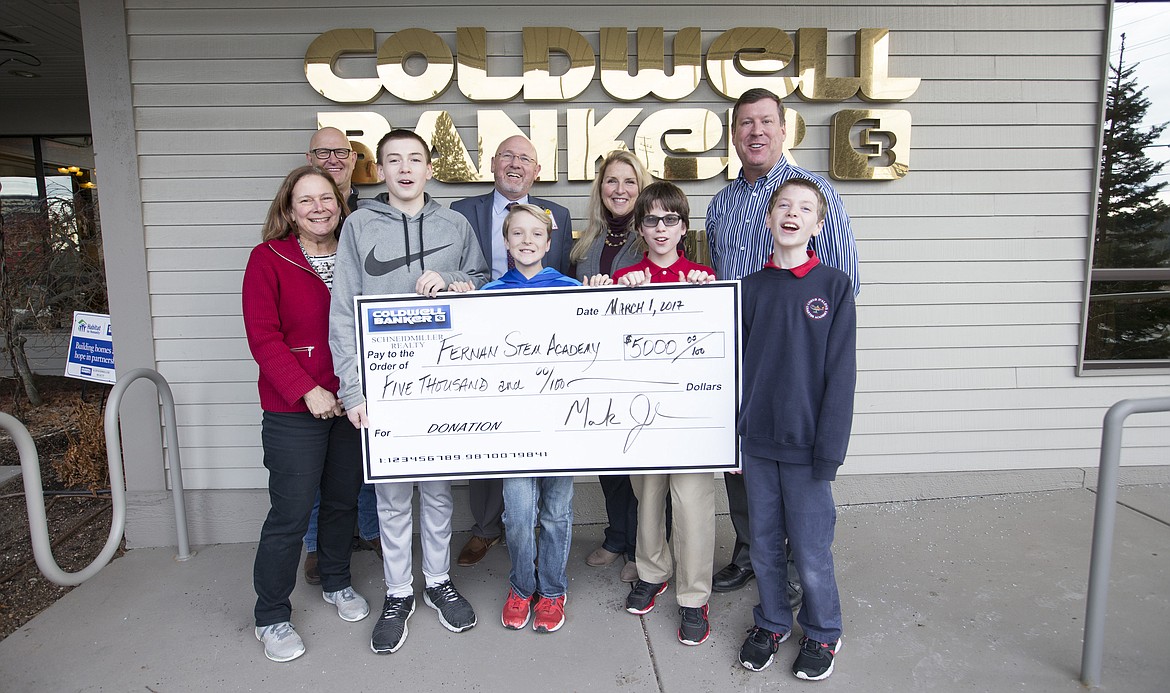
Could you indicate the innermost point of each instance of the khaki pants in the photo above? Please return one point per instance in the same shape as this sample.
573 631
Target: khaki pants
693 498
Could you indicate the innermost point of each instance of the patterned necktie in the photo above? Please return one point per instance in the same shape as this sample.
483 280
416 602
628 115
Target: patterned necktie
511 263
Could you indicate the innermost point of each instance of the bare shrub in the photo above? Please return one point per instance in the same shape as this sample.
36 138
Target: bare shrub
84 464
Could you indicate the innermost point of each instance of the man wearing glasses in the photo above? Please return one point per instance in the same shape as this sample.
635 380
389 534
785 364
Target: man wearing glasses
515 169
330 150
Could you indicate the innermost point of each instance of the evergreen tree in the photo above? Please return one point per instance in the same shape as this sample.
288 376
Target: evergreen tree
1129 320
1129 211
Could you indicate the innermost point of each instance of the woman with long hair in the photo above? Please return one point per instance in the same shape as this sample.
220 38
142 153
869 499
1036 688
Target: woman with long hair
610 242
309 444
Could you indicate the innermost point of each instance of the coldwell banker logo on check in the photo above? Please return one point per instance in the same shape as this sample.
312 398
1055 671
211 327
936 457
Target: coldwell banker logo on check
409 318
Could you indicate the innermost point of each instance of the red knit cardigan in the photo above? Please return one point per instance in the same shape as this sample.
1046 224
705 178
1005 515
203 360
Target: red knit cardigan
286 318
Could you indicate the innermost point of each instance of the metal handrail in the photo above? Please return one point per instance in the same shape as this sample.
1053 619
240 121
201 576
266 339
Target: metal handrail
34 490
170 430
1104 519
38 525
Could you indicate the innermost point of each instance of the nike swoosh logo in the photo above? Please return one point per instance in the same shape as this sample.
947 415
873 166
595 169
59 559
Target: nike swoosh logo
376 267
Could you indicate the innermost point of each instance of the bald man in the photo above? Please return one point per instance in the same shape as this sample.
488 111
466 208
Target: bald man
515 168
330 149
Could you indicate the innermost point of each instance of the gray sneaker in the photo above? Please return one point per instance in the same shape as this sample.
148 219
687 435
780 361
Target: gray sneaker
351 606
281 642
455 612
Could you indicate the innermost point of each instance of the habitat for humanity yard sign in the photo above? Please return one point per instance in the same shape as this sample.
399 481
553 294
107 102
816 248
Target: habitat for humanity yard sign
91 348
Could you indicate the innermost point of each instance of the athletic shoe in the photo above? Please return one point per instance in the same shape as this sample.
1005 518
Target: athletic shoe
550 614
760 647
390 630
281 642
640 600
694 628
815 660
455 612
351 606
517 611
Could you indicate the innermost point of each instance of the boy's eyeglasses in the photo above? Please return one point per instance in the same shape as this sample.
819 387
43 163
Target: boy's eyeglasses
651 220
324 153
506 158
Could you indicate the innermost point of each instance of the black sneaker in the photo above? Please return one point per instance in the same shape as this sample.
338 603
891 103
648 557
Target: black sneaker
760 647
390 630
640 600
694 628
455 612
815 660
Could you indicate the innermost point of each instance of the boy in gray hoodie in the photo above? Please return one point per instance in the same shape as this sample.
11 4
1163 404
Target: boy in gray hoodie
403 242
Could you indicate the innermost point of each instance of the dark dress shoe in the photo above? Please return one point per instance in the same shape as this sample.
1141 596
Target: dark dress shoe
374 545
475 549
732 578
312 574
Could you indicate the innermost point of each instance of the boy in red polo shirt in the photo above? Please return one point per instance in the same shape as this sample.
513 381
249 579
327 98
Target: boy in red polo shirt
662 215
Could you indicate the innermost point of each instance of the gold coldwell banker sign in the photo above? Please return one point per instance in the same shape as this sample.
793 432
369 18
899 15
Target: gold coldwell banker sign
676 142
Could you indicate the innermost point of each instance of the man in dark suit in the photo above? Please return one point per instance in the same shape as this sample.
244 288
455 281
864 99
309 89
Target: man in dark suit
515 169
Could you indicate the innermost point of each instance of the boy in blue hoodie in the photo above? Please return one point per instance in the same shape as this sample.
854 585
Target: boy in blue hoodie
527 235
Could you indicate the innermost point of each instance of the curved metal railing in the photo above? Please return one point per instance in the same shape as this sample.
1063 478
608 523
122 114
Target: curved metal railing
34 491
1104 518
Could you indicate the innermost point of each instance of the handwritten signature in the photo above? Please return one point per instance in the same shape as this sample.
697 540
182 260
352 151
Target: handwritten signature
644 413
583 408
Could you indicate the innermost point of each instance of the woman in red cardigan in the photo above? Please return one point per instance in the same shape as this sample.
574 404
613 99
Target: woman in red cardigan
308 442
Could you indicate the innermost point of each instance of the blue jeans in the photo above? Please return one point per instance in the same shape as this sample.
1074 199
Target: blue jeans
367 518
785 501
304 454
549 501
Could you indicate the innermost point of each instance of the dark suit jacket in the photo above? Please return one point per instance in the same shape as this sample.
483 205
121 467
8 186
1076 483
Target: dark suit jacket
478 211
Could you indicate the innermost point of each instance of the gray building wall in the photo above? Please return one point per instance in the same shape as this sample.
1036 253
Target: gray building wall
973 265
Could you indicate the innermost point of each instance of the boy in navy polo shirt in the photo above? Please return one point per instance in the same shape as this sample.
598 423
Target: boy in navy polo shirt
799 374
662 215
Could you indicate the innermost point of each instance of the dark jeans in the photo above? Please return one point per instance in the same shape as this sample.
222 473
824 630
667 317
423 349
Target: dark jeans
787 502
621 508
741 554
737 506
304 454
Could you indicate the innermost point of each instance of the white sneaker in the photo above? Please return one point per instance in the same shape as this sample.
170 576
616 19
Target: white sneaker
351 606
281 642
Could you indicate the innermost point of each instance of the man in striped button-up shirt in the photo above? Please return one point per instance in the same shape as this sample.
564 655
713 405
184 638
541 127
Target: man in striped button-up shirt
741 243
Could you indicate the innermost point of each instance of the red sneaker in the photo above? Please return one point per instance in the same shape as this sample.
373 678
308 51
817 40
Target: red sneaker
517 611
550 614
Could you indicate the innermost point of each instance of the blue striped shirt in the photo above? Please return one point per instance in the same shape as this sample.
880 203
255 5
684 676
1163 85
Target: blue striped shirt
738 235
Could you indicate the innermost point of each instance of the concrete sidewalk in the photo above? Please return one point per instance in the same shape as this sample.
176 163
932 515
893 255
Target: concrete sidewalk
972 594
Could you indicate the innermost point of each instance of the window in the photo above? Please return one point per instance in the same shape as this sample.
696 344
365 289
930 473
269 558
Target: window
1127 317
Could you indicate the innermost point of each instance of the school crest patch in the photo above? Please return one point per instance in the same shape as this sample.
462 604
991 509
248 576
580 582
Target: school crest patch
816 308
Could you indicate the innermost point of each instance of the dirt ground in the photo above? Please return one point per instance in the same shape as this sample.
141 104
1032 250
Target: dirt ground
78 519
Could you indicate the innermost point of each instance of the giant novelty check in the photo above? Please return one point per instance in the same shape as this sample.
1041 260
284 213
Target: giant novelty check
551 382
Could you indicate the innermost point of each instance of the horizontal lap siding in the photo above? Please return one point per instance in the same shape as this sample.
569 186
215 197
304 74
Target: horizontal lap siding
972 266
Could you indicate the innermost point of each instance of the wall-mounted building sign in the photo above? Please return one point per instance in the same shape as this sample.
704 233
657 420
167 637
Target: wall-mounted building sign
675 143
